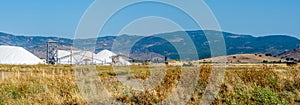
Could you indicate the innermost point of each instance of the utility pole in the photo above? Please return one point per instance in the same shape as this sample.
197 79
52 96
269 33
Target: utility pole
71 55
166 57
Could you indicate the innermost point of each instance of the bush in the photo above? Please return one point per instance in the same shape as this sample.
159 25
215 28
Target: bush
268 55
266 96
265 61
234 57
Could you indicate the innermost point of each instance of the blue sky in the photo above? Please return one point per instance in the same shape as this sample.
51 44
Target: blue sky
61 17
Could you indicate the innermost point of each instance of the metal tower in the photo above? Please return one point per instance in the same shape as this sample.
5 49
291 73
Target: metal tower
52 50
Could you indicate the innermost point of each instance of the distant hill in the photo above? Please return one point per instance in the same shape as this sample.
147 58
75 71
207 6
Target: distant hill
235 44
155 46
35 44
245 58
292 55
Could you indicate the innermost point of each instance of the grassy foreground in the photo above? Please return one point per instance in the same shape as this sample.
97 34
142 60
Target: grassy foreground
255 84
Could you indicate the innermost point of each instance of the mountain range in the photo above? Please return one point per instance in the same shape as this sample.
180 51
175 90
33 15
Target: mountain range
146 47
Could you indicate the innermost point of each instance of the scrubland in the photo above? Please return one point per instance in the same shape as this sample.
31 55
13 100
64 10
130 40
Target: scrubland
250 84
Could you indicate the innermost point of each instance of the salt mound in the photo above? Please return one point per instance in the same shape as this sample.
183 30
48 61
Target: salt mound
17 55
106 57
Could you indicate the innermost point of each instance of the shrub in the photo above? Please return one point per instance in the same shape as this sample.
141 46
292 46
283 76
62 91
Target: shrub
234 57
268 55
266 96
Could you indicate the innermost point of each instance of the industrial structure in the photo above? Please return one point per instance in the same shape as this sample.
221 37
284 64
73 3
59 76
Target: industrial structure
52 52
81 57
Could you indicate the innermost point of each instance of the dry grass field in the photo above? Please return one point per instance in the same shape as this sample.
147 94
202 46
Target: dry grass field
250 84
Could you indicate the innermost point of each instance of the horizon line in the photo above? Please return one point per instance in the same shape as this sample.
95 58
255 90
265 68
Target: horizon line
100 36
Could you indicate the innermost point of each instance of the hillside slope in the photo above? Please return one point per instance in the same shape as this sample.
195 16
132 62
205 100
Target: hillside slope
245 58
292 55
141 46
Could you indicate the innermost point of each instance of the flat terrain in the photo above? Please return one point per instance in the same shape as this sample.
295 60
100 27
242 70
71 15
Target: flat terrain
235 84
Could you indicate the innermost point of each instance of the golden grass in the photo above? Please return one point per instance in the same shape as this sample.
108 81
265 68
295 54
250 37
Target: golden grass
45 84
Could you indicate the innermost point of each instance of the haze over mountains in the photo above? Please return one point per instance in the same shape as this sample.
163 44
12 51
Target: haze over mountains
142 47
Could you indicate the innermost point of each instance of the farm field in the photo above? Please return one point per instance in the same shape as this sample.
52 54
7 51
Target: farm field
61 84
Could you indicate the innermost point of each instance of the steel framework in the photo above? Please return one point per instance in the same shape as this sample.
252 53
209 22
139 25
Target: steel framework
52 50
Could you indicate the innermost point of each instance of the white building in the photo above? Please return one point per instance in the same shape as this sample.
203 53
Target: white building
76 57
104 57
